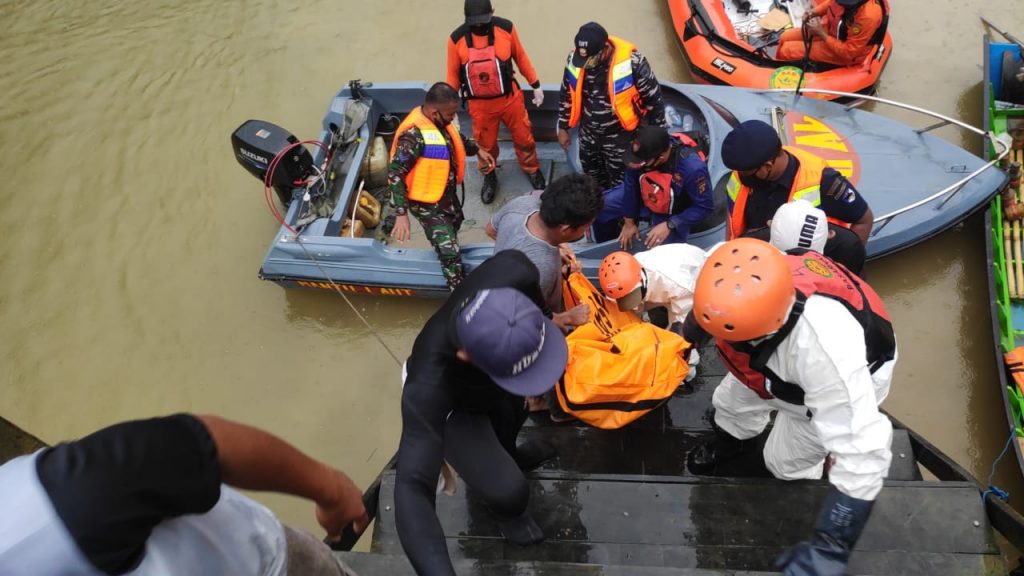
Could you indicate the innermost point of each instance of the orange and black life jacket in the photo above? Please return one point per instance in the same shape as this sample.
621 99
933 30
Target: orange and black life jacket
483 74
428 180
622 89
813 274
838 26
656 184
806 186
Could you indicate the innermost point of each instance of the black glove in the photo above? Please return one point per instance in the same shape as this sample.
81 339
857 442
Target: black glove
692 331
839 526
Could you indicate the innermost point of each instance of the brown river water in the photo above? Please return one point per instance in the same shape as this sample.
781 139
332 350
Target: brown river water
132 238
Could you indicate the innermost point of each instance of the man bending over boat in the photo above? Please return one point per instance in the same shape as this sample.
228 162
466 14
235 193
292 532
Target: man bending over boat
807 339
491 344
607 90
428 160
542 227
666 181
767 174
843 32
151 498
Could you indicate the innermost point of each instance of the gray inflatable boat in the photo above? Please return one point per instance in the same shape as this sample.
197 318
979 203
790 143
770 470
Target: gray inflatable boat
917 184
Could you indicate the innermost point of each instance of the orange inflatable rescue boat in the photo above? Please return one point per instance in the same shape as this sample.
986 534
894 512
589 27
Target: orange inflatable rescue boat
734 43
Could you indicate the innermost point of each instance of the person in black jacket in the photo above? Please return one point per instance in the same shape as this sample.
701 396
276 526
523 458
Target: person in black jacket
490 345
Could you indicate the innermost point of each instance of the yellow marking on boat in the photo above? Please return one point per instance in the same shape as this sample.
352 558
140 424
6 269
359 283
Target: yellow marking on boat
357 288
812 133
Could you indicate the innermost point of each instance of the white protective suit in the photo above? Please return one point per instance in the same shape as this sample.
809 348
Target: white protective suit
672 271
825 355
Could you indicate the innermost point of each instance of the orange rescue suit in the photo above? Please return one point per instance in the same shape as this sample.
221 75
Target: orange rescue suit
428 179
859 38
806 186
621 86
508 108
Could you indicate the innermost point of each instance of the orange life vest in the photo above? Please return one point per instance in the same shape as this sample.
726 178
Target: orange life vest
806 186
619 368
656 185
812 274
483 74
428 179
621 87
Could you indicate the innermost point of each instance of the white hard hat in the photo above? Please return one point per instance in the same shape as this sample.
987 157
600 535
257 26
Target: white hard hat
798 224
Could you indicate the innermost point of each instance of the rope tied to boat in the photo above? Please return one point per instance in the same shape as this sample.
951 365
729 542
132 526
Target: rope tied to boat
992 488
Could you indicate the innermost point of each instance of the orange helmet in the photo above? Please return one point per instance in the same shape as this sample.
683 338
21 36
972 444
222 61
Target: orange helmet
744 291
622 279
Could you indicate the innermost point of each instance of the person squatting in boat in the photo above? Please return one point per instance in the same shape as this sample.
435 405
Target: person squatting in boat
767 175
428 160
667 181
842 32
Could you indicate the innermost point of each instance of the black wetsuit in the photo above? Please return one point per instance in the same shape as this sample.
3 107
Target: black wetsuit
451 410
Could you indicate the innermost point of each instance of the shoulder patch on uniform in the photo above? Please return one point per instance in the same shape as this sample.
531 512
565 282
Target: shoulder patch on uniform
855 29
702 184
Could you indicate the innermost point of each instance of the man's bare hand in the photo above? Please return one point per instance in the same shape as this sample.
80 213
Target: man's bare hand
629 233
485 162
576 316
344 505
401 230
564 140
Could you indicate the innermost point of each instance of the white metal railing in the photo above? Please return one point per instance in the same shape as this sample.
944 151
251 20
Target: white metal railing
949 191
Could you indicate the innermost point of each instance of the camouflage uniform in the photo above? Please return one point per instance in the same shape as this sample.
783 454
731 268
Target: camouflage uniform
602 137
440 221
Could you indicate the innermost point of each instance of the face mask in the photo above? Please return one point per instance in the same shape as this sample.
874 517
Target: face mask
480 29
751 181
438 119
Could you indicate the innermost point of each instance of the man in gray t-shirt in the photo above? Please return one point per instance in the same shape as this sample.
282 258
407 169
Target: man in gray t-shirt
542 227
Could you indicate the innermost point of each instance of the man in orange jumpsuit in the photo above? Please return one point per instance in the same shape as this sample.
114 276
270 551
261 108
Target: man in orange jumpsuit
843 32
480 54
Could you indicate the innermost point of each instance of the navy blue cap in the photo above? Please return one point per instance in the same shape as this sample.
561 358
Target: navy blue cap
849 3
507 336
649 142
590 41
750 145
478 11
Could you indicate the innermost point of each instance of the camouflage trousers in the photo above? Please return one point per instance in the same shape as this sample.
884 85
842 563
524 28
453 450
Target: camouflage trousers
441 223
601 155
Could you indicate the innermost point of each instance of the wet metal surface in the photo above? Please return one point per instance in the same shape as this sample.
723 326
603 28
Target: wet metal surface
132 239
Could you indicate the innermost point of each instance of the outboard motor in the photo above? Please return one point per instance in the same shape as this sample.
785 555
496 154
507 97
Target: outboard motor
256 143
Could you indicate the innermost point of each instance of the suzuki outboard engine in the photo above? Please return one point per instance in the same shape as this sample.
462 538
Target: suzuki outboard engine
256 143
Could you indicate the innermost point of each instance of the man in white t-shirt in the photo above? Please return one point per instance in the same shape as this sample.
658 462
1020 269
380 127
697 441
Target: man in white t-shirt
151 497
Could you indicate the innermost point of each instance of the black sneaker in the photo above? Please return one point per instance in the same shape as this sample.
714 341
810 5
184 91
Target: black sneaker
537 180
490 188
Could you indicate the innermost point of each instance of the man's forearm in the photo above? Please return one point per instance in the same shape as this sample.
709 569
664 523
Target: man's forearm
252 459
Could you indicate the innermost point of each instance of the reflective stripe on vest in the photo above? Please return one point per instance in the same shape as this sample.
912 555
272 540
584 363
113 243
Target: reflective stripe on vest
806 186
625 98
428 179
813 274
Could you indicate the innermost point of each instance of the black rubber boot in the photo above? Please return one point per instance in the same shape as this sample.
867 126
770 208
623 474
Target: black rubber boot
537 180
522 530
490 188
725 455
